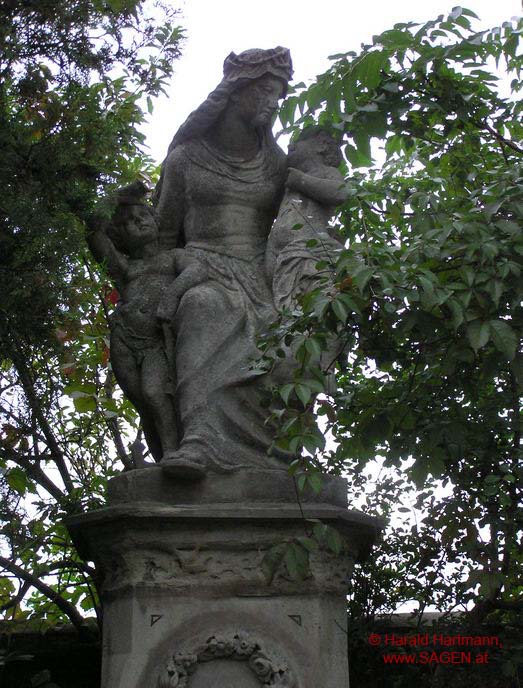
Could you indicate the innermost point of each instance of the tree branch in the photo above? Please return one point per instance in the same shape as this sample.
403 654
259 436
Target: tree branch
36 407
66 607
14 601
71 563
500 138
33 471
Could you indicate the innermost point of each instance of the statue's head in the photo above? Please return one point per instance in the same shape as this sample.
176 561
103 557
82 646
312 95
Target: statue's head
253 81
255 63
315 143
133 224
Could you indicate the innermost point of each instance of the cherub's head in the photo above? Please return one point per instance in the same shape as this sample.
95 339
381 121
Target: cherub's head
134 225
314 145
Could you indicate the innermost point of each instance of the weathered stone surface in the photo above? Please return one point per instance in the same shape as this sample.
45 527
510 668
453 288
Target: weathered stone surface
194 294
176 576
180 546
249 487
301 236
304 637
214 546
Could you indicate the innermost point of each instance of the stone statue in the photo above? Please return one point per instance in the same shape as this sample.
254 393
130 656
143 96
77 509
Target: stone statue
128 242
314 188
219 192
199 279
181 547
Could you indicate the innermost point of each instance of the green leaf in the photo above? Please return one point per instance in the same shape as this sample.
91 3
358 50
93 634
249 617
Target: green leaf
320 305
315 481
85 404
478 333
362 141
504 338
368 69
350 303
340 310
285 392
313 347
458 315
308 543
333 540
17 480
304 393
361 277
272 561
302 479
297 561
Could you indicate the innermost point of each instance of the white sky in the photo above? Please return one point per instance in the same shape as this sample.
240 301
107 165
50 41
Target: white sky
312 31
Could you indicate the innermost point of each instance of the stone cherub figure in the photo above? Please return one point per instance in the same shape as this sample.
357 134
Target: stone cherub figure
150 282
314 188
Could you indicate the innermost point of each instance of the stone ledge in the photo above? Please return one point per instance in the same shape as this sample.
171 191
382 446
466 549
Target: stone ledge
216 520
251 486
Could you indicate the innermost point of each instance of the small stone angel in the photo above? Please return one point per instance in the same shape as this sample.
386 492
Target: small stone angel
150 290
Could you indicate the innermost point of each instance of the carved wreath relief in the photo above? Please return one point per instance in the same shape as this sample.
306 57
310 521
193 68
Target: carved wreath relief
238 647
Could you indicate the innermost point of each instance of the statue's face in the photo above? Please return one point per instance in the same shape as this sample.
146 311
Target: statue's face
257 102
140 228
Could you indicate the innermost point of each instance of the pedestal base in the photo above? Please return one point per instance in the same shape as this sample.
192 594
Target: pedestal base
186 602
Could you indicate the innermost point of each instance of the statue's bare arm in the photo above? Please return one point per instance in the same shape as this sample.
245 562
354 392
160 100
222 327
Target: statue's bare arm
105 251
171 203
327 191
190 273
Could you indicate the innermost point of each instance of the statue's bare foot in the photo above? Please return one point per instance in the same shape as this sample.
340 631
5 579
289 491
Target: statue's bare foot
182 465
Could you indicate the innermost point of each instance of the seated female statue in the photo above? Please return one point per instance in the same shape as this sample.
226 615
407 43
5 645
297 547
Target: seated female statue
220 189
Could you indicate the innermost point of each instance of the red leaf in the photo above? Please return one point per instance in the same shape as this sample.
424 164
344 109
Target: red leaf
105 355
113 296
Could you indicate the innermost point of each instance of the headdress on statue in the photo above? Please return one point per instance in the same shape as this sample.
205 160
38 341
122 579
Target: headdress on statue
238 70
251 64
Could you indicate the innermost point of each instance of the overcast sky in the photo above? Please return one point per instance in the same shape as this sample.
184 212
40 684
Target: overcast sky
311 29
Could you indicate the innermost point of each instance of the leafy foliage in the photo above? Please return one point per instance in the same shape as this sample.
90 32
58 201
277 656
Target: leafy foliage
76 80
426 300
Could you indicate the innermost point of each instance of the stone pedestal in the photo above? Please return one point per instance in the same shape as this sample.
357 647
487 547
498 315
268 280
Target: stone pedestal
186 602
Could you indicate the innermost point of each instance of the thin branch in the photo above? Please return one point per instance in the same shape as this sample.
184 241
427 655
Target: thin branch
33 471
36 407
14 601
500 138
66 607
71 563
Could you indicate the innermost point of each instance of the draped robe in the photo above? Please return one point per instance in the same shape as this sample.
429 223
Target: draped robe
216 325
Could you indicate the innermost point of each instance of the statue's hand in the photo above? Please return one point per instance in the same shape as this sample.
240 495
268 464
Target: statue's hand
294 179
167 309
169 302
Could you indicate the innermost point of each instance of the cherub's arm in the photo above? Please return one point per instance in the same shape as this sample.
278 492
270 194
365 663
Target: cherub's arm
105 251
329 191
171 200
191 272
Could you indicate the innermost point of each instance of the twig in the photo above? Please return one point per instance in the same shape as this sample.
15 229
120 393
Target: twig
36 407
33 471
66 607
